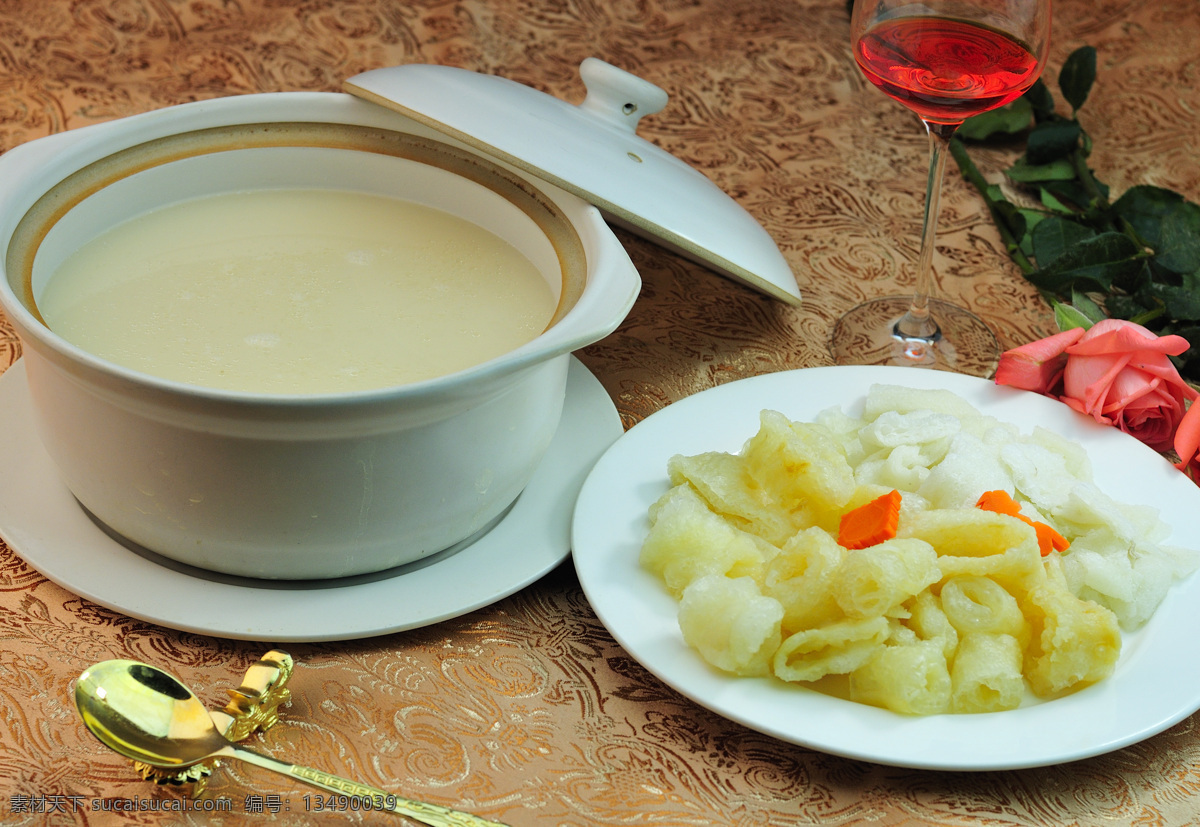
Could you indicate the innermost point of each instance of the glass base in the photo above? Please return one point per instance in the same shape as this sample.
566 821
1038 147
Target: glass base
867 335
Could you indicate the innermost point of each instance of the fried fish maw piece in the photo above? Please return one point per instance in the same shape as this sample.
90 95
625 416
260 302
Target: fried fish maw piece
883 399
1074 642
731 624
912 679
979 604
730 490
802 578
875 580
987 673
801 465
969 532
970 541
687 541
928 620
836 649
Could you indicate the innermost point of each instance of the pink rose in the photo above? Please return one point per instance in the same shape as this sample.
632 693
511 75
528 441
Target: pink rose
1037 366
1117 372
1187 443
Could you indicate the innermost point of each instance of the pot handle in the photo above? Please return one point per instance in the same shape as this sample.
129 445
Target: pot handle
21 166
599 312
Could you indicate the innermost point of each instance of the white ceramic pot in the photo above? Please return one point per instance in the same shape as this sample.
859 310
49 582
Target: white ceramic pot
314 486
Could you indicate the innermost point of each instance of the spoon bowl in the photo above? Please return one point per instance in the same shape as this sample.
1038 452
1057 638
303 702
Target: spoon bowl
148 715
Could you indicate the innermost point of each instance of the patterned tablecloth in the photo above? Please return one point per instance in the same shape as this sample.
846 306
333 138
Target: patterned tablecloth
527 710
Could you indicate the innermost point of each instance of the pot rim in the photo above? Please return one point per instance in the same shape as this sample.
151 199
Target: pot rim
610 281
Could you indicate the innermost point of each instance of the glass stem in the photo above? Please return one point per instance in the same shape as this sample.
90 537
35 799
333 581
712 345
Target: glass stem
917 322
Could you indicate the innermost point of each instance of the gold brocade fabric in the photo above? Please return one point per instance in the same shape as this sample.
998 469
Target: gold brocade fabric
527 711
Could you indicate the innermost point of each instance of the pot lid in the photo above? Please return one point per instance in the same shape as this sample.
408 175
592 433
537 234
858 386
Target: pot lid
592 150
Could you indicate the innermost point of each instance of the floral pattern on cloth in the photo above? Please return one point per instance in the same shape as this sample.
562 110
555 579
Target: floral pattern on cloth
527 710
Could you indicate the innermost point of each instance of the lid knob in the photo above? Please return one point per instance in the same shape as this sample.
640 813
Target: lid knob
617 96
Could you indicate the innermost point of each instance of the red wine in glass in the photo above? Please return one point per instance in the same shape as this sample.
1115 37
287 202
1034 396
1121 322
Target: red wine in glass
943 69
946 60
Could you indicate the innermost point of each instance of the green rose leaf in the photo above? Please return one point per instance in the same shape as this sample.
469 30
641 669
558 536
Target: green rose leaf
1040 100
1032 218
1121 306
1077 76
1084 304
1074 192
1179 242
1091 264
1024 172
1068 317
1005 211
1183 302
1052 140
1007 120
1137 279
1145 207
1054 235
1051 202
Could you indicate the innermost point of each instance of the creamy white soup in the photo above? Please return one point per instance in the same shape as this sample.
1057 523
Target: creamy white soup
297 291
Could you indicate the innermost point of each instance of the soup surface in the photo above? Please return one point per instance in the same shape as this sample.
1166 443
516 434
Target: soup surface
297 291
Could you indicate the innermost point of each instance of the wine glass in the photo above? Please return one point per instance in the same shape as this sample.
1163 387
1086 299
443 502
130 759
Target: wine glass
946 60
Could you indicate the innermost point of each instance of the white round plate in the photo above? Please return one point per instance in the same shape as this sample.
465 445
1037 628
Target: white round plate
1156 682
42 522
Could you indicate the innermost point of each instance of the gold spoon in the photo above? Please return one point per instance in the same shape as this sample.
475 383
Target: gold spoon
146 714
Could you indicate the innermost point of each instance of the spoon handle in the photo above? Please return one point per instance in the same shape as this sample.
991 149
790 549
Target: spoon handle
433 815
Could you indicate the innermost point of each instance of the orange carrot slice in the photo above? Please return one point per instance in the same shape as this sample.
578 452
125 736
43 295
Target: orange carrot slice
1048 539
870 524
1001 502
